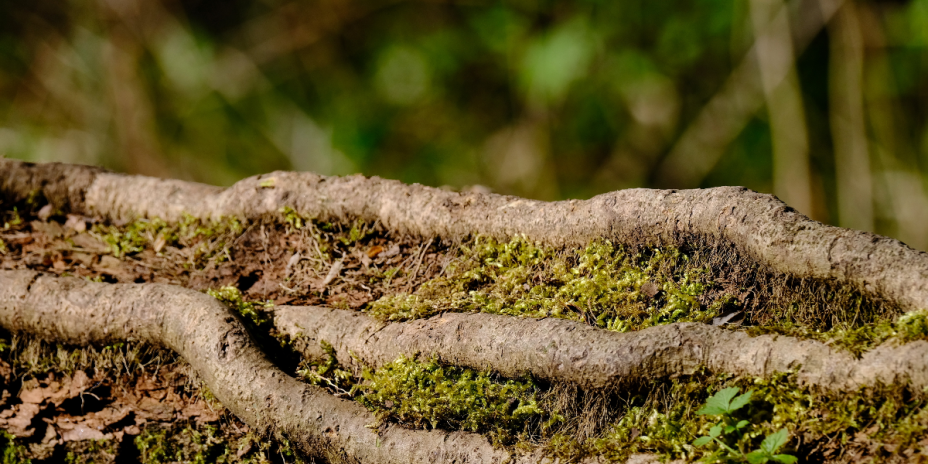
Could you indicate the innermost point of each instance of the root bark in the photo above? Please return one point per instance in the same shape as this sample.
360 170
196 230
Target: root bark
758 225
216 344
567 351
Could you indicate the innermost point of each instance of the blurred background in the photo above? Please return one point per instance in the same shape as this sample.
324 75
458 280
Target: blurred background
821 102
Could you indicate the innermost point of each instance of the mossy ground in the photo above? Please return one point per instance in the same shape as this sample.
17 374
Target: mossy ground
294 260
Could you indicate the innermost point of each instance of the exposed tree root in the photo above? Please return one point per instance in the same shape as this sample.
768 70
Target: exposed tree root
757 225
218 347
561 350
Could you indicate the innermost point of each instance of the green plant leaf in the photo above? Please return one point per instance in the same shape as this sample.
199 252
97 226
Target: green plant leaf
785 458
757 457
715 431
701 441
773 442
740 401
720 403
742 424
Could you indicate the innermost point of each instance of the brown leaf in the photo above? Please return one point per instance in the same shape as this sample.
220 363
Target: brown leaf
20 424
649 289
76 223
374 251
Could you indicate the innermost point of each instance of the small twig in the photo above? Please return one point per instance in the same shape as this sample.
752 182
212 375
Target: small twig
412 278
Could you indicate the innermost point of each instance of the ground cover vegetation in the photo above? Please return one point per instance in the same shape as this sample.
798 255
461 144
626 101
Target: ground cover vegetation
137 403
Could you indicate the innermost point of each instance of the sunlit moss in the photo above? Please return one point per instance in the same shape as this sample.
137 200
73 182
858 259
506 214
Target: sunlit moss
427 394
603 285
663 419
252 311
205 444
205 238
430 395
11 451
90 451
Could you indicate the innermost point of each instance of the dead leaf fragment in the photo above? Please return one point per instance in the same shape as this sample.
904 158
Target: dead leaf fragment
650 289
76 223
45 212
375 250
333 273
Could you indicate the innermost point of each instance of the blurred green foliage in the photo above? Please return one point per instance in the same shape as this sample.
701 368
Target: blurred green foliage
536 98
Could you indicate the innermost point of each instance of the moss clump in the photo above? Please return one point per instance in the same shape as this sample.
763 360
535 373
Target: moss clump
206 444
206 239
429 395
604 285
91 451
12 452
664 418
328 373
907 327
252 311
426 394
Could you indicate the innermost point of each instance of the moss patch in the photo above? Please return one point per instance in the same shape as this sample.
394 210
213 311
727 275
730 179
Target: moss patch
604 285
202 239
428 395
882 424
11 451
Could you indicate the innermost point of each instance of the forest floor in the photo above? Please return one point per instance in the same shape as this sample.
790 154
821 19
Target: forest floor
130 402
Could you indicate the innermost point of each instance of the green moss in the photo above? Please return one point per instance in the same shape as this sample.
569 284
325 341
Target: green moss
252 311
664 419
12 219
328 373
603 285
426 394
907 327
205 444
189 445
429 395
206 238
292 218
11 451
90 451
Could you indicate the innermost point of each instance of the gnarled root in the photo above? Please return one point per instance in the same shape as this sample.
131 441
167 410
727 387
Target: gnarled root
757 225
568 351
218 347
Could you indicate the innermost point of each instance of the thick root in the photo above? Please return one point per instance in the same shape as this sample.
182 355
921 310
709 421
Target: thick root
758 225
567 351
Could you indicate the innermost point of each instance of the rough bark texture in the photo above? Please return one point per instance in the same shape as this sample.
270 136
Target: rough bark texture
567 351
758 225
218 347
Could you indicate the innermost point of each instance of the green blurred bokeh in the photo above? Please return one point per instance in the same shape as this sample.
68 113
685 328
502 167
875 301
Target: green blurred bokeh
822 102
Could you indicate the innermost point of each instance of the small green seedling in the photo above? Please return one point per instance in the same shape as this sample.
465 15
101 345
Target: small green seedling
725 403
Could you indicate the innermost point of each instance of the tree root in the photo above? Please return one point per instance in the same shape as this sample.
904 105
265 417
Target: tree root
216 344
567 351
760 226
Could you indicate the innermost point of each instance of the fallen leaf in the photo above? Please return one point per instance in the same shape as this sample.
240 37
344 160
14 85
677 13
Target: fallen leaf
375 250
76 223
20 424
45 212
